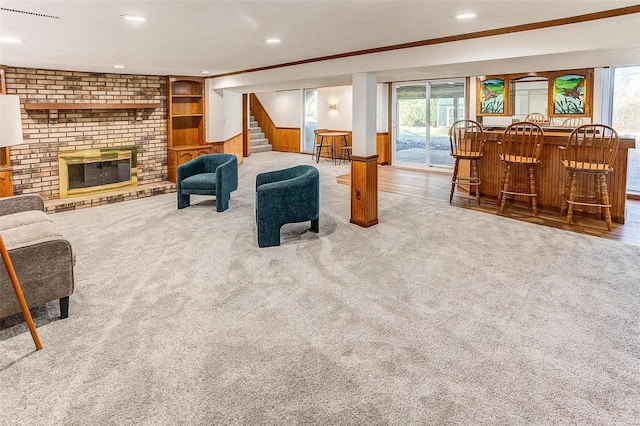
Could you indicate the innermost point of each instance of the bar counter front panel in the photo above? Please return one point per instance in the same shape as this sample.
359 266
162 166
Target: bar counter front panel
551 176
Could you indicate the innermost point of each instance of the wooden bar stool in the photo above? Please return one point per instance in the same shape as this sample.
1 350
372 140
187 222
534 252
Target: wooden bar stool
345 151
318 145
521 146
466 139
590 151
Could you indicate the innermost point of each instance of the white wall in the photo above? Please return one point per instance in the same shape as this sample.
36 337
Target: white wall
215 115
284 108
232 114
339 119
223 114
382 109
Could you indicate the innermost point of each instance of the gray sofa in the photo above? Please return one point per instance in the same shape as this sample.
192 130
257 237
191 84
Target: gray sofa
42 257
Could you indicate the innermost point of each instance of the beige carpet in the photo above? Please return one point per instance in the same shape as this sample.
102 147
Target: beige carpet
437 315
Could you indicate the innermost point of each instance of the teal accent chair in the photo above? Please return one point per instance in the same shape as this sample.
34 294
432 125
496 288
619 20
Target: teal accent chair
286 196
211 174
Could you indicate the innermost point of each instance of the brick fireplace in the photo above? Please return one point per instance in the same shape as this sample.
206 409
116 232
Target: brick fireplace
46 136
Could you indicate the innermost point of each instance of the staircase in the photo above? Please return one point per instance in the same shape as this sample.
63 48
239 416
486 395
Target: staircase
257 140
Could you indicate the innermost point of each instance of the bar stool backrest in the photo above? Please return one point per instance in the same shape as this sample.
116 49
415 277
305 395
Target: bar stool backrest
537 117
523 140
594 144
316 132
466 136
573 122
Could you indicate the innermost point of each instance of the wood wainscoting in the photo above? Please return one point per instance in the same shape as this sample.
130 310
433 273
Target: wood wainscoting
383 148
234 146
286 139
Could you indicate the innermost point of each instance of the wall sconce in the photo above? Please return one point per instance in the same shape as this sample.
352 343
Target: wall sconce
333 107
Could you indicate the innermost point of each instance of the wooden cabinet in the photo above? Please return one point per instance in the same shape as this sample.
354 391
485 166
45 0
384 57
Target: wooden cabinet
182 154
186 136
6 171
6 181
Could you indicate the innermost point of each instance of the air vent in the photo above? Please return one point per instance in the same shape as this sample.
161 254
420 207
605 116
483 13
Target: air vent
29 13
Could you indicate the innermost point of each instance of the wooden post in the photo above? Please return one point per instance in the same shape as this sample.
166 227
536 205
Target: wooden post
364 159
364 190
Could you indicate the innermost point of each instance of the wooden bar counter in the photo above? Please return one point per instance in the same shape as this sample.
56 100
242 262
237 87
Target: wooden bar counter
551 177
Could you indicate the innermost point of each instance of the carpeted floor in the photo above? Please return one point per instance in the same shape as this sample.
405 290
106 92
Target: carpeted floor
437 315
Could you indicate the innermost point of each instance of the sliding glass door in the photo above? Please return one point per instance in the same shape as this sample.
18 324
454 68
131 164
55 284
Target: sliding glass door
422 114
624 117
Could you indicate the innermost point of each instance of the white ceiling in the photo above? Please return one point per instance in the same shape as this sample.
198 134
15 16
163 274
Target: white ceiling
186 37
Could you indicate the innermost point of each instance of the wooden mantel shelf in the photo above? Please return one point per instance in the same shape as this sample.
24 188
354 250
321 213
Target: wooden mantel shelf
53 108
65 106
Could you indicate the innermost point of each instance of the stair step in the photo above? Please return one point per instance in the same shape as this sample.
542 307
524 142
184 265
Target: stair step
259 142
254 136
261 148
255 129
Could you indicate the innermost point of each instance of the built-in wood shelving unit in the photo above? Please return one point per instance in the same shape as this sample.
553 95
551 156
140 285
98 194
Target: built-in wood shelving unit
186 138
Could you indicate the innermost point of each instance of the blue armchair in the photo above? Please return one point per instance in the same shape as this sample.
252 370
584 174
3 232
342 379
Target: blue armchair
286 196
211 174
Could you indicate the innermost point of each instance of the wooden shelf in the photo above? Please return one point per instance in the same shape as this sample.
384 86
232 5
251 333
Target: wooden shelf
53 108
70 106
186 110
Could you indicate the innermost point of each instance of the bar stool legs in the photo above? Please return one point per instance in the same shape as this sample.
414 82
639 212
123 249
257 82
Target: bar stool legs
473 181
601 197
476 178
532 184
605 201
573 186
454 179
505 187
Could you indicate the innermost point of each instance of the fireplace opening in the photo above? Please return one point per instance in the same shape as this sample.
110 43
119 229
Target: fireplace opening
98 173
97 170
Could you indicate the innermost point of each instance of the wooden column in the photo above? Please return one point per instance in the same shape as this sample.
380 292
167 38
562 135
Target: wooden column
364 161
364 190
246 133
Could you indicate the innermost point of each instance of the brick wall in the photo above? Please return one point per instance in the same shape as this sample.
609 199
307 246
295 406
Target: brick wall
35 163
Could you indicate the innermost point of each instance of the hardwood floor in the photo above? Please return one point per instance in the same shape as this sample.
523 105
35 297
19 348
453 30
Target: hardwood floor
435 185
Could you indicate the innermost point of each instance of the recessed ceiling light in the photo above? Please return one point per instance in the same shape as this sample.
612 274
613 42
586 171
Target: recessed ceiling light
205 72
10 40
118 66
466 16
272 40
134 18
